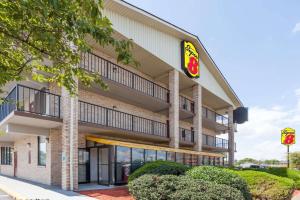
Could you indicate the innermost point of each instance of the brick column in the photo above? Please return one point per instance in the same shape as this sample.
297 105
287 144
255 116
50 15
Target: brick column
174 108
197 120
69 176
231 138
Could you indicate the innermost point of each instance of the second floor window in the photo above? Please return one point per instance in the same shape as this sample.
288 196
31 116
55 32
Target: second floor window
42 150
6 155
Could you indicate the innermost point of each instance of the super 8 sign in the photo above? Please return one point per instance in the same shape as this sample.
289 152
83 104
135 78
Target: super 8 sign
288 136
190 59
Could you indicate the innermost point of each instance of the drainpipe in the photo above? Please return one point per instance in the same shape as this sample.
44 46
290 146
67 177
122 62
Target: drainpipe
71 144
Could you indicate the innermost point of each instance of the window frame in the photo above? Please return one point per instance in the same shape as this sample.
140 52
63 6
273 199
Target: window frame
39 154
6 155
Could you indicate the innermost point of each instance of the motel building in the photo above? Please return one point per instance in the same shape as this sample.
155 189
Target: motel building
175 106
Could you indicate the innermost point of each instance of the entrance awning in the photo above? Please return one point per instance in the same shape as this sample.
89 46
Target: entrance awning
150 147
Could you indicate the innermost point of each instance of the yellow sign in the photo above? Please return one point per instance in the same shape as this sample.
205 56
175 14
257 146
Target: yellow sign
190 59
288 136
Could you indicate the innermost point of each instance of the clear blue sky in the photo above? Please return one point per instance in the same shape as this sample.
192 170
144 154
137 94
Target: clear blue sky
256 45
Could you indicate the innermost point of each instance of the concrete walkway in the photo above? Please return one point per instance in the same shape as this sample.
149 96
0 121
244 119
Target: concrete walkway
21 189
296 195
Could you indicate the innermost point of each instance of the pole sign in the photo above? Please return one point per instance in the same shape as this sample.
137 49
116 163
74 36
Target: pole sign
190 59
288 136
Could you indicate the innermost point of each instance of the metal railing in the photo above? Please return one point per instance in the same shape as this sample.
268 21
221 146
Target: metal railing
186 135
91 113
186 104
30 100
8 105
212 115
113 72
213 141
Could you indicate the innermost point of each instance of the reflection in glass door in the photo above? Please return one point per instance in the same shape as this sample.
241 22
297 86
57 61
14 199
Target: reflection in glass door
103 165
83 166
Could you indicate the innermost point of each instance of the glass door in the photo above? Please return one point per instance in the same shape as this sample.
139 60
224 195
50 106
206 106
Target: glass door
83 166
104 165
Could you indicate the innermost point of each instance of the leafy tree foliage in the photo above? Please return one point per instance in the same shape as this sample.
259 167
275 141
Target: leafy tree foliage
295 159
247 160
35 31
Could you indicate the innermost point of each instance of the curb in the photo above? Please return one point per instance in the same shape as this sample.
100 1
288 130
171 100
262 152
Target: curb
11 193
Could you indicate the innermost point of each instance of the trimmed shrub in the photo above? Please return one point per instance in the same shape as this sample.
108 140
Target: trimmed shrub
159 168
220 176
283 172
170 187
267 186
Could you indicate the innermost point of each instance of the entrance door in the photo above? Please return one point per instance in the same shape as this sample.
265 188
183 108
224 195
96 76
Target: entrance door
83 166
93 164
104 172
15 163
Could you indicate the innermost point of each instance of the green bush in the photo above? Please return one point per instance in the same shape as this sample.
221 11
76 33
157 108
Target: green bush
170 187
220 176
284 172
267 186
159 168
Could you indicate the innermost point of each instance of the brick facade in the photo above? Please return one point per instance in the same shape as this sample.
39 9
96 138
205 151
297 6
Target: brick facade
58 168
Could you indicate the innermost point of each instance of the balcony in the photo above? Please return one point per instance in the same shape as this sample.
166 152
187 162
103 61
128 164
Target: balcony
213 120
125 85
111 122
186 108
31 107
186 137
212 142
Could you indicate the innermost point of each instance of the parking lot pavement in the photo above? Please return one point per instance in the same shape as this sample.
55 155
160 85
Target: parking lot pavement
4 196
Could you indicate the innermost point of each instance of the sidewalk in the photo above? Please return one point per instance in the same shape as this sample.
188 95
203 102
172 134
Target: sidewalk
21 189
296 195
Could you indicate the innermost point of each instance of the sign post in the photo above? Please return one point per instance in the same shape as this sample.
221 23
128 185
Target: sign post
288 137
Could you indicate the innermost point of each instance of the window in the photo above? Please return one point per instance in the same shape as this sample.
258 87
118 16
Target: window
150 155
42 150
206 160
187 159
29 157
123 164
137 158
6 155
171 156
179 158
161 155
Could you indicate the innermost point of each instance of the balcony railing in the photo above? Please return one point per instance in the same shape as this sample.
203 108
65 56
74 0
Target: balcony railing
30 100
213 141
186 104
212 115
113 72
186 135
90 113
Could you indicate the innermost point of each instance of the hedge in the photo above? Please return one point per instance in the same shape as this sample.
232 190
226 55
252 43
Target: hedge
267 186
170 187
220 176
159 168
283 172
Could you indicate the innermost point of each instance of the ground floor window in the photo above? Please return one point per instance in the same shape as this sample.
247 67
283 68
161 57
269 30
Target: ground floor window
161 155
6 155
123 164
138 158
113 164
42 150
150 155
